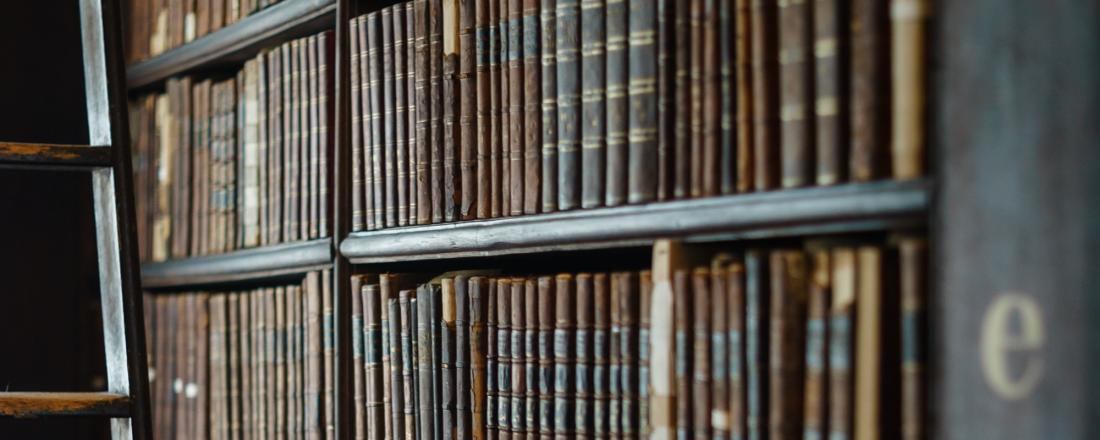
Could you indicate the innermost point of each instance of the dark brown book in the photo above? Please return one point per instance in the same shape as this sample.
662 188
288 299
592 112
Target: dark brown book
696 44
218 403
314 422
568 57
425 394
765 94
435 301
329 340
492 365
593 102
735 286
326 131
482 78
262 151
504 358
298 373
518 389
831 81
682 100
628 305
516 108
532 106
617 102
549 122
290 116
389 118
435 90
267 353
377 148
298 97
468 113
363 125
703 373
423 114
448 347
816 395
544 413
683 315
789 278
564 366
505 110
727 85
313 217
408 389
796 70
644 122
584 361
711 130
391 285
372 358
615 361
198 388
645 295
719 347
913 273
411 113
449 120
531 356
395 375
603 341
497 99
870 88
478 313
462 367
275 146
280 352
234 372
757 326
248 381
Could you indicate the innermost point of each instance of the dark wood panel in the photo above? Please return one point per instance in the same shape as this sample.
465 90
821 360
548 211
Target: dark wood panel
847 208
236 42
35 404
248 264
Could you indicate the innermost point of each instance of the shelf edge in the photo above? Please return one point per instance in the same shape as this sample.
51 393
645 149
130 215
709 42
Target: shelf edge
243 265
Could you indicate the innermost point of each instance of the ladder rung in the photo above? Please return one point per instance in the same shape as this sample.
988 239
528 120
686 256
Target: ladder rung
35 404
54 155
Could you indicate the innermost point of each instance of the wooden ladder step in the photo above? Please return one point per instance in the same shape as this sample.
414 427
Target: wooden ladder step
35 404
78 156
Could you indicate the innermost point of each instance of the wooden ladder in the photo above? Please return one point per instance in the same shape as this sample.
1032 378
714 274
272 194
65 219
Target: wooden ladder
107 157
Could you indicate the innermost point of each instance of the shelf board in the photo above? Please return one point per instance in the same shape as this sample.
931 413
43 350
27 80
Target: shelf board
237 42
243 265
820 210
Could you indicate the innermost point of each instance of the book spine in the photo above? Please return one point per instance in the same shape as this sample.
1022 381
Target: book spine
696 90
314 407
568 56
402 94
435 90
615 365
645 298
396 376
683 314
463 351
516 106
628 306
313 216
450 119
216 367
602 359
363 125
908 20
617 102
244 326
548 41
423 114
259 361
756 343
329 341
789 279
796 70
765 94
532 106
564 365
436 302
913 273
518 405
504 358
408 362
483 80
326 108
275 142
496 99
831 89
505 111
584 403
425 390
531 355
719 346
727 137
643 119
388 290
544 412
378 140
411 90
492 392
468 114
703 376
664 74
735 293
841 310
682 99
479 348
711 130
280 352
388 146
815 409
870 363
869 89
447 360
594 104
298 147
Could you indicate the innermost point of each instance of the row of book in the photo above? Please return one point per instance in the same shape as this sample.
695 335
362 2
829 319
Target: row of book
824 341
258 363
224 164
154 26
487 108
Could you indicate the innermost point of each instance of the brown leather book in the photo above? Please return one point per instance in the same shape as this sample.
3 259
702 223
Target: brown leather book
703 374
518 309
645 92
275 148
666 94
327 131
564 309
735 294
297 378
389 116
423 114
841 349
482 51
497 101
452 130
291 145
198 389
617 103
682 101
831 81
615 365
645 296
913 272
516 113
504 358
363 125
266 360
796 70
531 355
601 356
468 113
683 315
329 341
870 99
719 346
390 285
548 45
628 306
377 148
695 89
403 95
492 394
435 90
815 406
313 216
711 161
479 348
462 351
765 94
280 333
757 327
532 107
789 283
593 103
448 348
436 346
871 350
314 421
584 362
396 376
245 341
406 304
544 414
908 52
425 389
568 56
412 110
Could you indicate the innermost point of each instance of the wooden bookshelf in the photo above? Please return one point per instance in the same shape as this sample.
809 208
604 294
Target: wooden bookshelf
237 42
247 264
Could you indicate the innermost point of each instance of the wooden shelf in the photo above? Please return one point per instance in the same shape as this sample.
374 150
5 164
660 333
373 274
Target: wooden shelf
237 42
247 264
823 210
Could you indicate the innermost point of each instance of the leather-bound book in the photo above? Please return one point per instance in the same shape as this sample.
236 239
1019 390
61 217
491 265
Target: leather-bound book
601 356
871 409
504 358
908 23
719 346
703 373
218 404
313 384
462 352
413 106
328 319
367 170
789 283
435 91
452 134
409 391
870 88
765 93
423 114
548 37
644 121
479 348
796 71
516 108
567 53
425 388
841 332
377 88
505 110
913 272
531 356
497 101
696 90
711 130
313 216
395 374
614 344
492 363
234 397
468 122
564 325
544 391
390 285
246 345
683 316
532 107
388 118
358 184
815 408
436 298
593 102
282 326
831 81
418 417
402 93
617 102
448 347
757 326
483 84
584 403
518 405
300 133
664 73
682 100
326 130
645 298
727 83
298 373
275 150
735 295
629 307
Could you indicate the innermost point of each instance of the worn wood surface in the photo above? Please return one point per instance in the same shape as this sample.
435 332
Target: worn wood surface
237 42
69 156
248 264
1016 235
35 404
847 208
